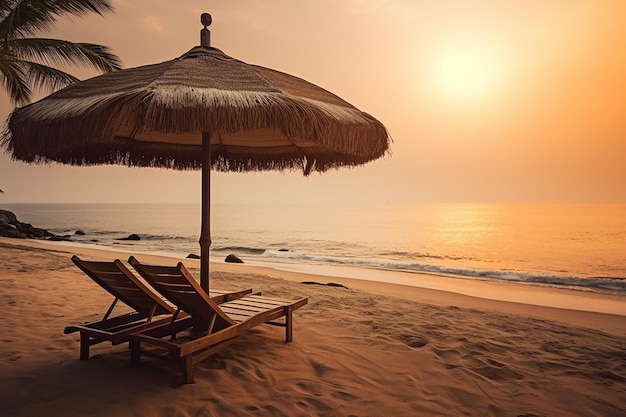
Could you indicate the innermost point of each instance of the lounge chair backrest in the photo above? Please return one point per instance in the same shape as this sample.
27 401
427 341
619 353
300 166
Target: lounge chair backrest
178 286
123 284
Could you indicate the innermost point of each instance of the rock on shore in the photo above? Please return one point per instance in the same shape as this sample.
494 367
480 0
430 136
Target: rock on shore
11 227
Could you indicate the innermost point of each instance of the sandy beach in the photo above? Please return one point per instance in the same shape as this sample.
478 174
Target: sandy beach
366 349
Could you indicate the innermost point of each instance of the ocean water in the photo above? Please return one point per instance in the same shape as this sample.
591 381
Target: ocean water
579 246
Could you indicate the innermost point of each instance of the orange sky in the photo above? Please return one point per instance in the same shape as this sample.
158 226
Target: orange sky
486 100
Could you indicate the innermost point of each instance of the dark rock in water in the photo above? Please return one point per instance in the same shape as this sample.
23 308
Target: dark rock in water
334 284
79 233
56 238
330 284
193 256
233 259
130 237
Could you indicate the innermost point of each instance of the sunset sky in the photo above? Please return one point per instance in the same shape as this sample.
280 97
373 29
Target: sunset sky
486 101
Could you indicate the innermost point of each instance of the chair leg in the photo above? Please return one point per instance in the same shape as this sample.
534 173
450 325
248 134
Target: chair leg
188 369
288 325
135 352
84 346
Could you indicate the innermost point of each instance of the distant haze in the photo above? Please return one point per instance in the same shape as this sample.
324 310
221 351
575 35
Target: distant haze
485 101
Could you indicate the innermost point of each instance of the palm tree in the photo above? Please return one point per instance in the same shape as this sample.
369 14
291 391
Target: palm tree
26 62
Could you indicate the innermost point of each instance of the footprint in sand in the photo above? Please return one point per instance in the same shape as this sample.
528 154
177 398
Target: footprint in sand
414 341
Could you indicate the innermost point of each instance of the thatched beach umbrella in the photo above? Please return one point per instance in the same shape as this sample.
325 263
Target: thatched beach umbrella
201 110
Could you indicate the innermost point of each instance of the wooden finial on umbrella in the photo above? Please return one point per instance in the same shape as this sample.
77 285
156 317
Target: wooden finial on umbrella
205 34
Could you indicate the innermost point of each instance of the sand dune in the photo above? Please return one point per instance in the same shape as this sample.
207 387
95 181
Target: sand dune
355 353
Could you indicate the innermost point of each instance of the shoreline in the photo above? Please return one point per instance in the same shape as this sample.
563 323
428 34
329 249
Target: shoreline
567 268
571 306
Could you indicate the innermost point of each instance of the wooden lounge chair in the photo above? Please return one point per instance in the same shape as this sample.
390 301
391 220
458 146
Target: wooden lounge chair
150 309
208 327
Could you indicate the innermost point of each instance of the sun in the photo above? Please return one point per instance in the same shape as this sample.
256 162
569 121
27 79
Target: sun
464 71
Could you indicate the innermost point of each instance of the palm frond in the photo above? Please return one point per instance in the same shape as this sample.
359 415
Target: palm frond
44 77
14 80
6 6
64 53
79 7
25 17
100 57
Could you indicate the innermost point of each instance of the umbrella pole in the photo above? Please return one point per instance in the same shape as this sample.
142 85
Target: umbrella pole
205 231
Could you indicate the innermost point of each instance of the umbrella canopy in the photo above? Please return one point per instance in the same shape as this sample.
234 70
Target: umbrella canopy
201 110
